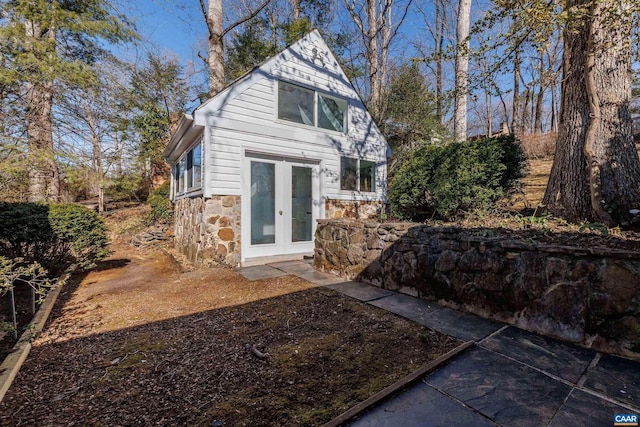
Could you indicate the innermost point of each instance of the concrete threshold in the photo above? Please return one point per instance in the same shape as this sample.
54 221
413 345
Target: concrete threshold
252 262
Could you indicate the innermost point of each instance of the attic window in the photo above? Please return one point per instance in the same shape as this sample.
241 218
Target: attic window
332 113
305 106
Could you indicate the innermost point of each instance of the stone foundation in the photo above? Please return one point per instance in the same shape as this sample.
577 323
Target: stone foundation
208 230
352 209
590 296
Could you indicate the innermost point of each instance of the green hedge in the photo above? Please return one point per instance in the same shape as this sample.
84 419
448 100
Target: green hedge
56 235
444 180
161 206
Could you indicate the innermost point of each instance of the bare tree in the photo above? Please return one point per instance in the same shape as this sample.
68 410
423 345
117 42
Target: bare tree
462 70
374 20
213 15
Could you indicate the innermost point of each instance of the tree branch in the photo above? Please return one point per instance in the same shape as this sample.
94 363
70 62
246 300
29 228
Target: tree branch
245 19
203 7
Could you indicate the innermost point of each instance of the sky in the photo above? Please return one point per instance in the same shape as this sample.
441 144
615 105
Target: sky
174 25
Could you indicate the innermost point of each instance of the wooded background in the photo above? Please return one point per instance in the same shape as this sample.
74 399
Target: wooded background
83 117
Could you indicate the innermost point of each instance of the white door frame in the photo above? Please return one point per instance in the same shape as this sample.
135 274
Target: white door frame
283 203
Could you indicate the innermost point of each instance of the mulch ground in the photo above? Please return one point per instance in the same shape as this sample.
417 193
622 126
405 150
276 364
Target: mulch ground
141 342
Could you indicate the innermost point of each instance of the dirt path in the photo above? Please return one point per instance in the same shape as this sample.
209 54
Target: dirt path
135 286
139 341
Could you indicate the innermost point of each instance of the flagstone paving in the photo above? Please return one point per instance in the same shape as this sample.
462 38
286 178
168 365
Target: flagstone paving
511 377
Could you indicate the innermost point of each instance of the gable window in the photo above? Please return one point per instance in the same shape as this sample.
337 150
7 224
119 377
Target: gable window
332 113
308 107
188 171
295 104
357 175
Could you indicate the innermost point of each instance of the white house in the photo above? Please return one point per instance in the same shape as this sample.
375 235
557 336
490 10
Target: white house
288 143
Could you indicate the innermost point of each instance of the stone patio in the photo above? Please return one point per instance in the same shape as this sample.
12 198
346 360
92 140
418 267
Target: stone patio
511 377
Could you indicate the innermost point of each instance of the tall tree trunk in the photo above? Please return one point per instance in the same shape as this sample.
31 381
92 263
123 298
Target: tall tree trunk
44 177
439 41
296 9
525 111
215 61
372 58
596 170
515 109
216 47
554 113
462 70
489 111
537 124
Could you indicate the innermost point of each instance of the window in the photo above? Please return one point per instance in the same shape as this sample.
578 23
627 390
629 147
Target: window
182 167
197 165
308 107
188 171
332 113
357 175
176 177
348 174
367 176
295 104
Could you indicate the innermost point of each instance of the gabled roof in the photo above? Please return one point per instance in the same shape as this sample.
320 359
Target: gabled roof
266 68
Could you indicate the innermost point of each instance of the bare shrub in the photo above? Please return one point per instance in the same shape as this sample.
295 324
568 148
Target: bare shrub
537 146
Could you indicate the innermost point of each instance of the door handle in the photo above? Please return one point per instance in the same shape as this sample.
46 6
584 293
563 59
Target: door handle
280 212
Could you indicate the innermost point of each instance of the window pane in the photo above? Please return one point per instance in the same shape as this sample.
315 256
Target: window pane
181 171
301 204
348 173
176 178
190 169
197 166
367 176
263 203
331 113
295 103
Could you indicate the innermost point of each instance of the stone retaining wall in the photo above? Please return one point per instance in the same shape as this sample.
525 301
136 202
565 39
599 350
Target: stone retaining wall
590 296
208 229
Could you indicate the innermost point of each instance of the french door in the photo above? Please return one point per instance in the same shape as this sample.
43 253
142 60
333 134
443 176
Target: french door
280 206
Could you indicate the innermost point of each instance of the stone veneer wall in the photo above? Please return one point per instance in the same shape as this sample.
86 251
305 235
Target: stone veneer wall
208 230
352 209
590 296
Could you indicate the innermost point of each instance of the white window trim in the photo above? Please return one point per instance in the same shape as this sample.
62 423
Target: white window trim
193 190
316 92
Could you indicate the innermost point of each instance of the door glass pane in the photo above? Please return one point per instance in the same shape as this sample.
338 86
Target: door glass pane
301 204
263 203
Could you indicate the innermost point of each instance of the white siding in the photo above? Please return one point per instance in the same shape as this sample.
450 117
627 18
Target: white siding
247 121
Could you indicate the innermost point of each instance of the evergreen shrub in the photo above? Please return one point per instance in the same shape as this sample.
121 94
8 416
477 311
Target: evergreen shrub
161 206
464 176
57 236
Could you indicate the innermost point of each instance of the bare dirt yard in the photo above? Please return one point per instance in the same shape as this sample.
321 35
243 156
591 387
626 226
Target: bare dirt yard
144 341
